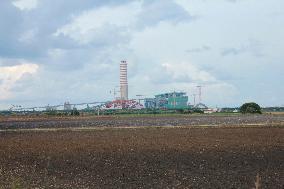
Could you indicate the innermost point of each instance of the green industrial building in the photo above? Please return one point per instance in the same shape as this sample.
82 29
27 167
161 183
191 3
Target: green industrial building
174 100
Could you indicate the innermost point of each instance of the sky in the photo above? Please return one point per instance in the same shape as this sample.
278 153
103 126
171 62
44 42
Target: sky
57 51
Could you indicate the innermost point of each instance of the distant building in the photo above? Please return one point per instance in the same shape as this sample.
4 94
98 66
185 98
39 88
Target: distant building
150 103
210 110
67 106
122 104
50 108
174 100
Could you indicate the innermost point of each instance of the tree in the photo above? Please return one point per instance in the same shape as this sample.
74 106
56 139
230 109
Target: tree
251 108
75 112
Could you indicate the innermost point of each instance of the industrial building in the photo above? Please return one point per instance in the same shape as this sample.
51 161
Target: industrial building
67 106
122 104
174 100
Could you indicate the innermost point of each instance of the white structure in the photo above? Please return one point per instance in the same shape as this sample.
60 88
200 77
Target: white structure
67 106
117 104
123 81
210 110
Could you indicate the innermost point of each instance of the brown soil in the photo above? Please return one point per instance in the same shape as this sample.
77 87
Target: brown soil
143 158
142 120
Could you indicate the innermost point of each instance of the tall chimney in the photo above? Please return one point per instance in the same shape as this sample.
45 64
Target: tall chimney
123 81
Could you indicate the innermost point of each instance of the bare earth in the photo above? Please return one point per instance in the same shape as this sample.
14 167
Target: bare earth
142 120
143 157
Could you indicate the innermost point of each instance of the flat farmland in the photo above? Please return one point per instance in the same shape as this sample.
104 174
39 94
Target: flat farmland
25 122
143 156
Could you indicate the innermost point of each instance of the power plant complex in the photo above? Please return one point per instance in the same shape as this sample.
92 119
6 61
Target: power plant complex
169 100
173 100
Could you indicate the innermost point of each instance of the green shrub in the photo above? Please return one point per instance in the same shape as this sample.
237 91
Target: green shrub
75 112
251 108
51 113
198 111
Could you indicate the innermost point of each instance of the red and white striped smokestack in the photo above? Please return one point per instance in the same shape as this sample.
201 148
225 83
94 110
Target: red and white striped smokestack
123 80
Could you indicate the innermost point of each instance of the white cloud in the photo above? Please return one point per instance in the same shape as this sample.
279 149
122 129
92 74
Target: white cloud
25 4
220 94
87 25
109 23
187 72
186 76
11 74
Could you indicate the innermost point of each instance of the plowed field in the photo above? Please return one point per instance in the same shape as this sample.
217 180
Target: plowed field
142 157
138 121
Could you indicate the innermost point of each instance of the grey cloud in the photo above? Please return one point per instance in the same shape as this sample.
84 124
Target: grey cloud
46 19
156 11
199 50
233 1
10 26
230 1
253 47
233 51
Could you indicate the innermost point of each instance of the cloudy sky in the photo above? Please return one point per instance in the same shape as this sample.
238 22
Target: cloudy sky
54 51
